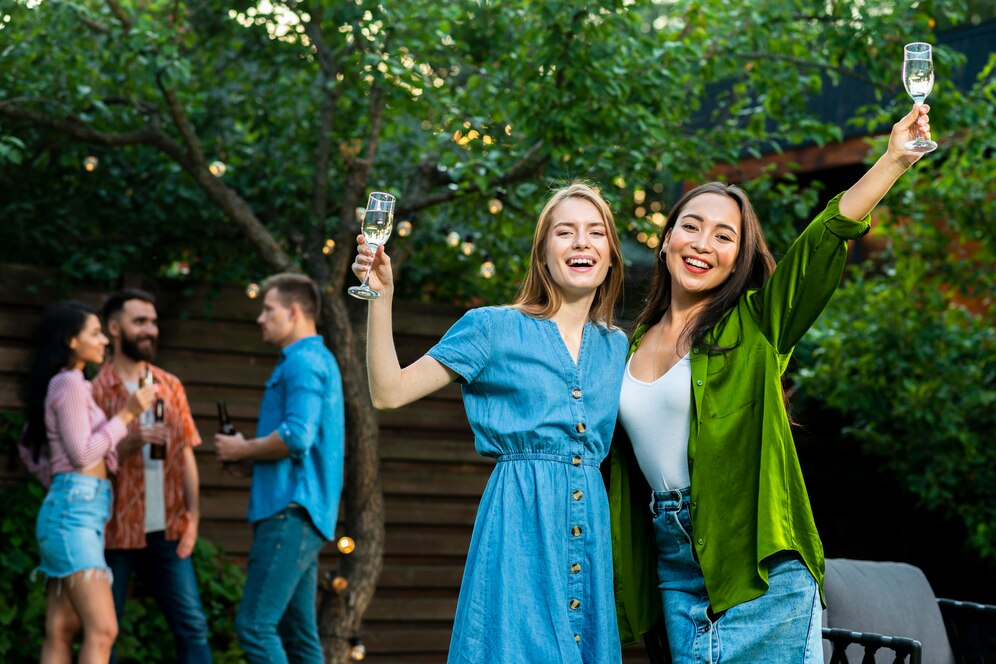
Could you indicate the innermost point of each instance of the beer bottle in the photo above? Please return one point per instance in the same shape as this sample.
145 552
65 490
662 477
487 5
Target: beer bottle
159 451
226 427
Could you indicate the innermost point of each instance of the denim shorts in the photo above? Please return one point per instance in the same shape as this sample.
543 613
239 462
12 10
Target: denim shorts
782 626
70 526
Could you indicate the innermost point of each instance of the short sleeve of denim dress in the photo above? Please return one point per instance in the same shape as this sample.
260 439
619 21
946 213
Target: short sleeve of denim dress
538 583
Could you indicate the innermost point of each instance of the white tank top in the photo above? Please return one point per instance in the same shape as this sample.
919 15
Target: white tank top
657 418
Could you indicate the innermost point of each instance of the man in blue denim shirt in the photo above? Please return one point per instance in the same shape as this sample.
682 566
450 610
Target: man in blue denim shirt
296 480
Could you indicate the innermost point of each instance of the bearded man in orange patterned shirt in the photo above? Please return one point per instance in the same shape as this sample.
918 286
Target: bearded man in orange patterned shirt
153 526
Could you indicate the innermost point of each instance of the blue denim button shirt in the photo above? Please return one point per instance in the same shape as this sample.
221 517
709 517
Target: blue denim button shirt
303 402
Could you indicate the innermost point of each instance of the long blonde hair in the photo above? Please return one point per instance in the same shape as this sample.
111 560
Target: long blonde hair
539 296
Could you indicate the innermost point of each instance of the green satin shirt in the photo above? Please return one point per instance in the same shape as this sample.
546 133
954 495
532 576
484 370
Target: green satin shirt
748 498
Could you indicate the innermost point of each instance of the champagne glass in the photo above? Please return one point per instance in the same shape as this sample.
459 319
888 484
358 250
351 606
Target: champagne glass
378 219
918 77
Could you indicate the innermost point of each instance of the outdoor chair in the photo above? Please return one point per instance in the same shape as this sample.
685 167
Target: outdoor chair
887 613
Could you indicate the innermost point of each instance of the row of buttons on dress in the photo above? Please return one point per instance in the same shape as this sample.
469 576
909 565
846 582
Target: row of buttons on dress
580 427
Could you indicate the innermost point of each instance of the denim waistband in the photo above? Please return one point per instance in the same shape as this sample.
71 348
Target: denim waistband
673 499
71 479
546 456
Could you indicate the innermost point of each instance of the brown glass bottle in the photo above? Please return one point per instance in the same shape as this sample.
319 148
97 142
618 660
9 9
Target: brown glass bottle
226 427
159 410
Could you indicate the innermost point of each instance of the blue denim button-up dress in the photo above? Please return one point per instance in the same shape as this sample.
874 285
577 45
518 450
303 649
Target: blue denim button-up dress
538 583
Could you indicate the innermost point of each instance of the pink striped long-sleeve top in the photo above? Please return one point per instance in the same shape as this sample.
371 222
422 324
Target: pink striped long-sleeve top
79 434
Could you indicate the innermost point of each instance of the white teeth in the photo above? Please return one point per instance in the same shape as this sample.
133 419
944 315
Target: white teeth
580 262
697 263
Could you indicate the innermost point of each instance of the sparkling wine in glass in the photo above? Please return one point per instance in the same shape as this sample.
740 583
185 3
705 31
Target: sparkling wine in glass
918 77
378 219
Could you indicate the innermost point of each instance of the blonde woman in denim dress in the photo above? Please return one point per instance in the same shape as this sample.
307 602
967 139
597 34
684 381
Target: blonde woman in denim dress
540 384
69 443
728 545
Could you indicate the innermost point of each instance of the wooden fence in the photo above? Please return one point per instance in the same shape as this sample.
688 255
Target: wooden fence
432 477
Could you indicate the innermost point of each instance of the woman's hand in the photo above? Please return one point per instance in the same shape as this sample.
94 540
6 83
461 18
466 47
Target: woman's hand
379 264
915 123
141 400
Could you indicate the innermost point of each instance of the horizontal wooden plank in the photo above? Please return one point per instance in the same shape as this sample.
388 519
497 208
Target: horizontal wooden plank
424 609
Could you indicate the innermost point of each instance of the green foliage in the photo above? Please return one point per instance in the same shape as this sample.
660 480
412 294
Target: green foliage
907 351
22 600
637 96
915 379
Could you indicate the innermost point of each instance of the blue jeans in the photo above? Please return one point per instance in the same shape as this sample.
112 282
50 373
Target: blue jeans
172 583
781 626
276 620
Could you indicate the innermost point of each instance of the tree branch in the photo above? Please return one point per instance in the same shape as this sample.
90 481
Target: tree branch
120 14
148 135
808 64
525 168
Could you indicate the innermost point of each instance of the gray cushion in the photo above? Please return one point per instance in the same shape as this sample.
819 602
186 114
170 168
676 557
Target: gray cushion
892 599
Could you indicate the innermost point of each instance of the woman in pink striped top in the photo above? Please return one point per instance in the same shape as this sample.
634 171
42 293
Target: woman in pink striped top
68 435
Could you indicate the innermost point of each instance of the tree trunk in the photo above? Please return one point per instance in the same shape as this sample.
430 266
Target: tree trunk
340 614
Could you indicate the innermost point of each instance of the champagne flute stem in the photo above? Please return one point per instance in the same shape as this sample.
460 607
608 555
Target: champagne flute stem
366 277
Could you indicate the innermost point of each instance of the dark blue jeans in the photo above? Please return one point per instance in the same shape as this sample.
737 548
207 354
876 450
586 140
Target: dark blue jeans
172 583
276 620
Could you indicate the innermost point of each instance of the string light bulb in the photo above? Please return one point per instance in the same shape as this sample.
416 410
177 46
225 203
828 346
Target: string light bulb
217 168
487 269
467 248
339 584
90 164
346 544
405 228
252 291
453 238
495 206
358 652
329 246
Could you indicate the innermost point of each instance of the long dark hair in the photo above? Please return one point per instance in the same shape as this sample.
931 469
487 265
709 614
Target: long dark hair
752 267
59 324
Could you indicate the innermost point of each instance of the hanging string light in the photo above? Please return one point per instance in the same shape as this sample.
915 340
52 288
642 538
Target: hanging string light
358 652
495 206
328 247
467 248
90 164
453 238
217 168
339 584
252 291
487 269
404 228
346 544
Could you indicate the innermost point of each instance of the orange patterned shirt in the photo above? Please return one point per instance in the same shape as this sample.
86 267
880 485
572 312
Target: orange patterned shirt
126 529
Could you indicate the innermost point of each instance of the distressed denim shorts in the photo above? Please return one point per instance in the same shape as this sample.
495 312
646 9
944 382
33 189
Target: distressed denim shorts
70 526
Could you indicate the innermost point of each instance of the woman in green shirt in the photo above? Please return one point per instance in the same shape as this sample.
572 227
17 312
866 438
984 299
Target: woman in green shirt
729 545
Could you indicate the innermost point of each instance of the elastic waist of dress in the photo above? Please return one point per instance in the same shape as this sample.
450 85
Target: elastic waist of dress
569 459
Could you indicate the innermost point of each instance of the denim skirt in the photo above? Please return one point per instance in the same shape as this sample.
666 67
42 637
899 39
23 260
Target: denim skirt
780 627
70 526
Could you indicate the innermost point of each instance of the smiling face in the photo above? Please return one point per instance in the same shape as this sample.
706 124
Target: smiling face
701 248
577 253
136 330
88 346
